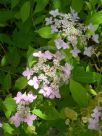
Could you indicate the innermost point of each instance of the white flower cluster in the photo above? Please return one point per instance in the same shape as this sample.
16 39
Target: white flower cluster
47 73
72 32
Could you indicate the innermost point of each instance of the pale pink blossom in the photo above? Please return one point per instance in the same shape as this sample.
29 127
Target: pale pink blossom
38 54
54 13
27 118
88 51
67 69
59 56
74 15
61 44
27 73
24 97
91 27
54 28
34 82
48 21
93 122
95 38
47 55
16 119
50 92
75 52
23 111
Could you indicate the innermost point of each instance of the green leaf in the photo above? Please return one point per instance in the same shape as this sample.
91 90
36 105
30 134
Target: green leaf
45 32
4 61
24 37
86 77
96 18
79 93
25 11
48 113
31 59
41 4
7 128
77 5
6 15
5 38
57 4
13 56
10 106
7 82
39 113
14 3
21 83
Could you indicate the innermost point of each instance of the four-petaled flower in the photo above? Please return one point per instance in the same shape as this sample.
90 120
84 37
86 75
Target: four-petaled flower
54 13
61 44
34 82
27 73
95 38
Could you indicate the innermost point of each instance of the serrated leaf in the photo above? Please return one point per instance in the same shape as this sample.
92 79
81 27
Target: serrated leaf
79 93
25 11
21 83
7 128
45 32
10 106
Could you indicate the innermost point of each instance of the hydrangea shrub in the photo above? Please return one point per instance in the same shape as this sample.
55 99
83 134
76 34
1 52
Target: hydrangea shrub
50 71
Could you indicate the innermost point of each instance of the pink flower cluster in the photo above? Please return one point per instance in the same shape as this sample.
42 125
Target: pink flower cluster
23 111
47 73
95 118
71 33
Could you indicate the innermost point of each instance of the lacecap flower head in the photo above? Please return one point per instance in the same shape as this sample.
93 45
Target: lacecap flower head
23 111
48 72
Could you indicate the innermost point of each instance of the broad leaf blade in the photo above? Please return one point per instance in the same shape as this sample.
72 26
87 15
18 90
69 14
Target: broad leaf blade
95 19
86 77
79 93
21 83
25 11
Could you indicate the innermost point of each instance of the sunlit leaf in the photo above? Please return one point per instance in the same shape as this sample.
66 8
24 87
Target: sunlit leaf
21 83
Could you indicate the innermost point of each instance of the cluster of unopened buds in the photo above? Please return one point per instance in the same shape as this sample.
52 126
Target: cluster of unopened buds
96 116
72 34
46 75
23 111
